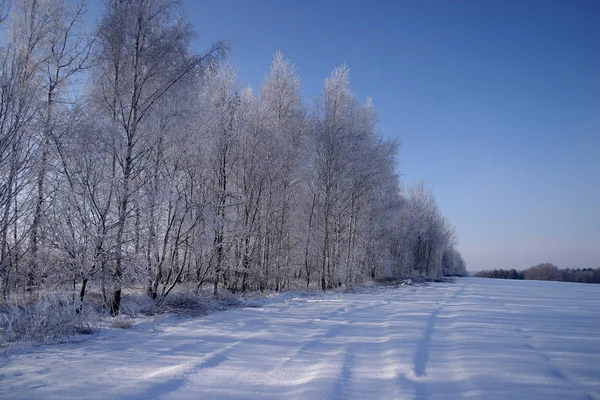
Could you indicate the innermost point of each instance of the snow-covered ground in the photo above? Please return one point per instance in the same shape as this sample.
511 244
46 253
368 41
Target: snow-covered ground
476 338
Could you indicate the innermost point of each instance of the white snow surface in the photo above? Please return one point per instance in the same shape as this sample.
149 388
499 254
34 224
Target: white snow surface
471 339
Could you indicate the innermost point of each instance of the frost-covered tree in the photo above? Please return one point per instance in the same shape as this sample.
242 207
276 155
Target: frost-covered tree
424 234
66 49
22 58
453 262
163 169
332 139
228 107
279 131
143 55
352 177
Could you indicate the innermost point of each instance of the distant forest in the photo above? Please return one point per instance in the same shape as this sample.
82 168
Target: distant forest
545 272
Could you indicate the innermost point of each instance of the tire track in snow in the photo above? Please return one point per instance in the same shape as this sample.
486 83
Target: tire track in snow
309 352
365 345
342 385
210 360
316 341
332 330
333 345
390 354
403 385
422 354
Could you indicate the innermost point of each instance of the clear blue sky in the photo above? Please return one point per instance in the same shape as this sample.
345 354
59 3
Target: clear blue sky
496 103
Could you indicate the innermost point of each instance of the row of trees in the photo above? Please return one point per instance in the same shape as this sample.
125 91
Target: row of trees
546 272
126 159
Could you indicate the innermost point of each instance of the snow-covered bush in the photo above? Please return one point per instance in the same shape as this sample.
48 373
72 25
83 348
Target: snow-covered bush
51 316
183 302
121 322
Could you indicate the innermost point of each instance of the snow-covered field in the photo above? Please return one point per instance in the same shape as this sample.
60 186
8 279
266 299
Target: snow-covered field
476 338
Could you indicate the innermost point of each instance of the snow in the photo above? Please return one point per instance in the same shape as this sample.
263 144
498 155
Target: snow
474 338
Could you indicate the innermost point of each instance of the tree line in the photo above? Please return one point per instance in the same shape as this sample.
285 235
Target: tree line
129 160
546 272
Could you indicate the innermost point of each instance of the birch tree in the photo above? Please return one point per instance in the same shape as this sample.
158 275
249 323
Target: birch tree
331 130
228 110
86 198
66 51
279 130
21 62
144 54
425 233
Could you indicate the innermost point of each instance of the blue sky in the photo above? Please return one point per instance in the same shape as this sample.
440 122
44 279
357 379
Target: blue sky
496 103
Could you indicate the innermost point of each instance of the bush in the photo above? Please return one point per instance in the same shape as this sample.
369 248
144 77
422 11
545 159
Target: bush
121 323
52 316
191 304
185 303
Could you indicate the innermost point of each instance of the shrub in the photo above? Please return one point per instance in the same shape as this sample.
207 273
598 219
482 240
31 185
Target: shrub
52 316
186 303
121 323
